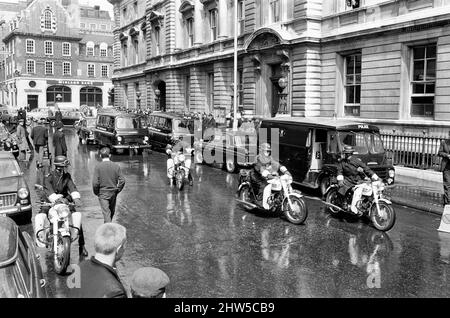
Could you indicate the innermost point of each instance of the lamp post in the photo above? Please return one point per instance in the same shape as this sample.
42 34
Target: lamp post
157 93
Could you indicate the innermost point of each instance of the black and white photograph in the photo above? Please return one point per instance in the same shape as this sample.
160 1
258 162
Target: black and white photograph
224 149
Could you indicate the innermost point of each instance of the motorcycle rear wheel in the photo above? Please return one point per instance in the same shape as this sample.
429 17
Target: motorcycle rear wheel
379 223
300 213
333 197
61 262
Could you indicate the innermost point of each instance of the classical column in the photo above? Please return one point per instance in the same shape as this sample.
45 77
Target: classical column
223 19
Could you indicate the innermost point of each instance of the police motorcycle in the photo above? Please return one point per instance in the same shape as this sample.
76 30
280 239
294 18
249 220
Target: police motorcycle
180 166
283 199
373 204
60 233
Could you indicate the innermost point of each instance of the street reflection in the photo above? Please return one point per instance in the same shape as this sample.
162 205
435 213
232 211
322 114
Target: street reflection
179 208
275 251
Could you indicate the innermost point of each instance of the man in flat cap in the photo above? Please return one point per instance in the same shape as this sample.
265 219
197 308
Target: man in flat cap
59 141
149 282
107 183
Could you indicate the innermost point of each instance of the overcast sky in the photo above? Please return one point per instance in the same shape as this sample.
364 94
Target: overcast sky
104 4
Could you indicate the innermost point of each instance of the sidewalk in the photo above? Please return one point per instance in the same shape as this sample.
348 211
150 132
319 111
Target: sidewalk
418 189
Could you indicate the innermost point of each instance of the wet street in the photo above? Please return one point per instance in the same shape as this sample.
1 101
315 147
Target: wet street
211 247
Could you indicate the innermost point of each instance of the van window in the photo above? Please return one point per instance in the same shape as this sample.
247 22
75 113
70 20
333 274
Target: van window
333 146
150 121
321 135
127 123
293 135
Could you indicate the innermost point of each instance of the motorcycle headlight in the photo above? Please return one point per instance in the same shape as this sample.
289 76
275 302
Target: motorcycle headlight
391 173
146 138
119 138
181 158
23 193
63 211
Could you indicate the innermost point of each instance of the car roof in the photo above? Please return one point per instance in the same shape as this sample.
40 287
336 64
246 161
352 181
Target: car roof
323 122
9 238
170 115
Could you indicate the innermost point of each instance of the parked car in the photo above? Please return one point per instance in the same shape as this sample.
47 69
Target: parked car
20 270
8 116
69 117
310 148
40 113
229 149
121 131
85 130
168 128
15 198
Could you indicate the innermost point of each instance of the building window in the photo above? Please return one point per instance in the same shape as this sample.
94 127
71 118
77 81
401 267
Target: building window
104 70
103 49
352 84
31 66
275 10
48 67
423 81
124 13
48 19
136 50
213 23
82 25
48 47
90 49
157 41
241 16
210 90
190 31
67 68
103 27
59 94
93 26
66 49
124 54
91 96
91 70
240 87
187 91
30 46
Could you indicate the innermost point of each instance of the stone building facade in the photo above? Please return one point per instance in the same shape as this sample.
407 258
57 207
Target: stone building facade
381 61
50 61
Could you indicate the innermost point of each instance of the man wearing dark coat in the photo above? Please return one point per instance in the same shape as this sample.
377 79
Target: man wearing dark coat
39 134
59 141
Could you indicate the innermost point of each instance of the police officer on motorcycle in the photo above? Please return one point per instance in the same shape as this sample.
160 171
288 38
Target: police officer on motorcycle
349 173
60 188
264 167
172 152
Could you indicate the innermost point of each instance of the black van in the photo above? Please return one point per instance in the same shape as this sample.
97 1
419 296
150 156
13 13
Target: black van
120 131
310 147
167 128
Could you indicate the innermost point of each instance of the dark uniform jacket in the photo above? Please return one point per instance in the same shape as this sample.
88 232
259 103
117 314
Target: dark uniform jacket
108 179
58 116
348 168
444 151
59 184
39 134
98 280
59 142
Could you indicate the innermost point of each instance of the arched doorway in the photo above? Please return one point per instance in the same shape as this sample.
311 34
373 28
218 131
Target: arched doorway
160 95
91 96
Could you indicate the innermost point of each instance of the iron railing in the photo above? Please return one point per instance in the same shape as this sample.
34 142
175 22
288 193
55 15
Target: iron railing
418 151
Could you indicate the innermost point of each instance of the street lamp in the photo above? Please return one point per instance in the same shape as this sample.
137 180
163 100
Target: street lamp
157 93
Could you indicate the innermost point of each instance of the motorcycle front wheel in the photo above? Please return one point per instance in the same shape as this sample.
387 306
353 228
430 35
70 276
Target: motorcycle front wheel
180 180
298 213
62 259
386 220
245 196
334 198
